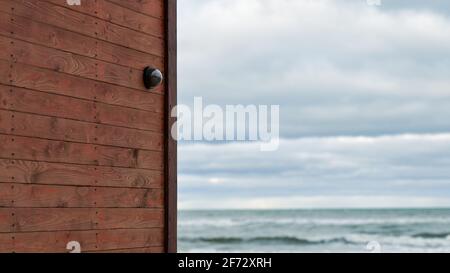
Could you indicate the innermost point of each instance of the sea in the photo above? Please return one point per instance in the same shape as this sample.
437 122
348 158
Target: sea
316 231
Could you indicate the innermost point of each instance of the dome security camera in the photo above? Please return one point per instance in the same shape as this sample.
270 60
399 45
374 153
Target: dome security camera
152 77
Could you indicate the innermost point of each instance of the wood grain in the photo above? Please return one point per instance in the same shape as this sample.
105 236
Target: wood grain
32 125
155 249
117 15
70 63
42 103
76 22
47 35
153 8
34 172
83 143
63 219
57 83
102 240
50 196
26 148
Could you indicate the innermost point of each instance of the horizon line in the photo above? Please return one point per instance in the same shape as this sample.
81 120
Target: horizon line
343 208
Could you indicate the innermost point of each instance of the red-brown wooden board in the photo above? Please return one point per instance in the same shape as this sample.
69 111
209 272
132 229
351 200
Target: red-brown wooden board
110 11
92 240
47 35
23 100
84 147
27 53
27 148
77 22
154 8
66 219
53 128
52 196
45 173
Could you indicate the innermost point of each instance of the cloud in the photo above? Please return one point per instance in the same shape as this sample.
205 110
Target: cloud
362 71
324 171
315 202
364 95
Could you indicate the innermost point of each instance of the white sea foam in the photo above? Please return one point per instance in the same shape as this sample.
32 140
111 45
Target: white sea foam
324 231
405 241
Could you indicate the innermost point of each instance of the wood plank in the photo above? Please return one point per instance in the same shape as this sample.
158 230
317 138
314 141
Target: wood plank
65 219
37 219
32 172
128 18
46 80
65 62
6 243
23 100
48 242
65 18
6 220
130 118
150 160
156 249
153 8
118 239
31 125
63 84
129 57
19 99
129 138
50 196
26 148
119 218
118 15
25 29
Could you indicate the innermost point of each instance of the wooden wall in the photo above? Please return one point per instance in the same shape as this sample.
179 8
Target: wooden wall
82 142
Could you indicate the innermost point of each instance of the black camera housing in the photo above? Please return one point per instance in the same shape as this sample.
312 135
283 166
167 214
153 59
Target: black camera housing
152 77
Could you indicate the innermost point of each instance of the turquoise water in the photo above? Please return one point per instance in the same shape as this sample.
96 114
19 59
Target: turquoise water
388 230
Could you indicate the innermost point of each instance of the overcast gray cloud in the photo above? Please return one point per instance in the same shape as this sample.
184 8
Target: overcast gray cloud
332 168
336 68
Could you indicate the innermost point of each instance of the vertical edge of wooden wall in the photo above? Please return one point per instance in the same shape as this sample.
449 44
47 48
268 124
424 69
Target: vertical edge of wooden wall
170 143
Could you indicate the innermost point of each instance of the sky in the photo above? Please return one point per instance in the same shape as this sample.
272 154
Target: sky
364 95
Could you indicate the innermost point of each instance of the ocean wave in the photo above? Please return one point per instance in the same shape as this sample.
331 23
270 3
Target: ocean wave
418 240
397 241
426 235
269 239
